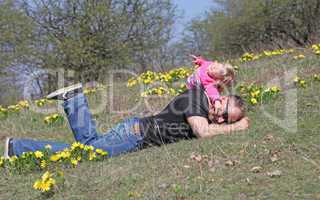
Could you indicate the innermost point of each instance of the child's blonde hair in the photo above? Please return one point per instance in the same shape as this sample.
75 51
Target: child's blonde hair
229 74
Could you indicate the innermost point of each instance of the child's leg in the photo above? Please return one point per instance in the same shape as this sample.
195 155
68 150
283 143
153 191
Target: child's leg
80 119
25 145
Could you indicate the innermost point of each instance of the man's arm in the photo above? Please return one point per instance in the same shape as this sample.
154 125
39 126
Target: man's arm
203 129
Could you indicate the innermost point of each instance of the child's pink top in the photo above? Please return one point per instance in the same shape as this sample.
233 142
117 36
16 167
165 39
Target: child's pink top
202 77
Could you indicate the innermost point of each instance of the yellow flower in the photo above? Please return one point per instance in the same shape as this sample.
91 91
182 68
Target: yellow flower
12 159
43 164
75 145
88 148
65 154
92 155
46 176
101 152
255 93
275 89
23 104
132 82
74 162
45 183
1 161
253 101
79 158
302 83
38 154
55 157
37 185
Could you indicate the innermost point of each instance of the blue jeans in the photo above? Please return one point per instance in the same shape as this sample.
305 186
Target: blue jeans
120 139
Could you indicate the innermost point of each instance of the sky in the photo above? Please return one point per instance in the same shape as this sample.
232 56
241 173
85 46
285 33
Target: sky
190 9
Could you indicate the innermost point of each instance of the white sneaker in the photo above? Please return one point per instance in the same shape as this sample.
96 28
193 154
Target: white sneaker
66 92
6 148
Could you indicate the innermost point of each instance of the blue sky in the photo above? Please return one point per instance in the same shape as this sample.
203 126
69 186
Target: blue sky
191 9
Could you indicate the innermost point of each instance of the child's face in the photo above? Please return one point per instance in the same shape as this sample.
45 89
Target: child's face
218 70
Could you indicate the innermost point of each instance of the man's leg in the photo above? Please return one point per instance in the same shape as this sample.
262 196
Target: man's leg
25 145
81 123
80 119
121 139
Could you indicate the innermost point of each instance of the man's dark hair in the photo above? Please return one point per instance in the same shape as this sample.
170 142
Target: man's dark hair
238 102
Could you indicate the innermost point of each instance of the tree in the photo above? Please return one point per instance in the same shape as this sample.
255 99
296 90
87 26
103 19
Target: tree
237 26
92 37
86 36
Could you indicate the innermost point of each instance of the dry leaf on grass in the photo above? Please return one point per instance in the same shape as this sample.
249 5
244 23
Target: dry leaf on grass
269 137
256 169
230 163
274 158
276 173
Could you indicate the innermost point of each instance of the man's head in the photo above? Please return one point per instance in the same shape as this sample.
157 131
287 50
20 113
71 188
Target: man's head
232 109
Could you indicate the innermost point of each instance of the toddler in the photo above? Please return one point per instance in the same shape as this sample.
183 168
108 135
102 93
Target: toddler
212 76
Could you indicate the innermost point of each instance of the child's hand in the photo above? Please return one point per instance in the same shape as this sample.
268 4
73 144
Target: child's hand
197 60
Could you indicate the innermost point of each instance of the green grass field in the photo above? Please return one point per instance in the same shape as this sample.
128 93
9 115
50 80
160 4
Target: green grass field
287 162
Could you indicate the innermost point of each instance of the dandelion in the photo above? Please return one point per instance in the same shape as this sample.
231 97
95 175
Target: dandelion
52 119
38 154
74 162
255 93
55 157
45 183
65 154
275 89
75 145
132 82
23 104
302 83
12 159
101 152
2 159
92 155
88 148
43 164
253 101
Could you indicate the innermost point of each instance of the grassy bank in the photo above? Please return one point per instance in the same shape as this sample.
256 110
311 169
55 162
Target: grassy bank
265 162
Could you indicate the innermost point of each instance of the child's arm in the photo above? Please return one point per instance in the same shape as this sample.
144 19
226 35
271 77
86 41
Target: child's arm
199 61
212 92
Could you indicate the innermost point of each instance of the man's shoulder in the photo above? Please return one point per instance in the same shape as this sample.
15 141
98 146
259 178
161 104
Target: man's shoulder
196 91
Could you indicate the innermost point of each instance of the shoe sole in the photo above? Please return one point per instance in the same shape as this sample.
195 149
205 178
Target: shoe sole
64 90
6 149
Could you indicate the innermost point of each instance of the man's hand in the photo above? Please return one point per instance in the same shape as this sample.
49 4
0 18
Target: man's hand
243 124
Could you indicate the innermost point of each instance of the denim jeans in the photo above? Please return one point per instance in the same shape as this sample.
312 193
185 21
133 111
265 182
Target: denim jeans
120 139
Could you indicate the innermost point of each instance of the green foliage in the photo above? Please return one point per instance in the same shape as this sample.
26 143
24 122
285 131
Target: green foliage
89 37
247 25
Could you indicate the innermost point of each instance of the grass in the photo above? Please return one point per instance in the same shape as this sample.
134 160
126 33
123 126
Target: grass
225 162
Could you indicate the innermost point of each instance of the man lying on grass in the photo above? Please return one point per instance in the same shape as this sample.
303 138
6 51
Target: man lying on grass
187 116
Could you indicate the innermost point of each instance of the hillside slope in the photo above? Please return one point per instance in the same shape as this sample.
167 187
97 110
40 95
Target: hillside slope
265 162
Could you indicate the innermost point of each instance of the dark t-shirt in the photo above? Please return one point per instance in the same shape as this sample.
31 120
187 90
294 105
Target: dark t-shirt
171 125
